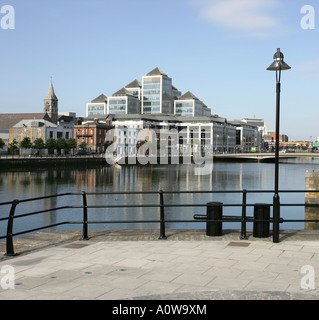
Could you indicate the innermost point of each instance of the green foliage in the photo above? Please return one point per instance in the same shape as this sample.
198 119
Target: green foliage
83 146
13 147
51 144
61 144
39 144
26 143
71 144
2 144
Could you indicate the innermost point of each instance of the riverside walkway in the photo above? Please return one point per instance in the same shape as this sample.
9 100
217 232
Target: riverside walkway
135 265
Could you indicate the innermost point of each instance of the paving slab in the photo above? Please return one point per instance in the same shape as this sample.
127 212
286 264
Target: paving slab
136 265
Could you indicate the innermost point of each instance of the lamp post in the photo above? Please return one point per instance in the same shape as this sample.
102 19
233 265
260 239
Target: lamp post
278 65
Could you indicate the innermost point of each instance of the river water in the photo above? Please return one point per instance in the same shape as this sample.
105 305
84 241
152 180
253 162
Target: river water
183 177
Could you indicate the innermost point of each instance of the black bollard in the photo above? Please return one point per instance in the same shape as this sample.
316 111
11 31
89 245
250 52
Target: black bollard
261 212
214 212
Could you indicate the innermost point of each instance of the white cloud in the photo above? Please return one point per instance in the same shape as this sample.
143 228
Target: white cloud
250 17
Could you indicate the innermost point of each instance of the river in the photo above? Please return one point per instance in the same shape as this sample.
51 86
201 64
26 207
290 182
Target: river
222 176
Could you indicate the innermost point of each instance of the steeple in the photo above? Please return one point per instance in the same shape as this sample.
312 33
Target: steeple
51 104
51 94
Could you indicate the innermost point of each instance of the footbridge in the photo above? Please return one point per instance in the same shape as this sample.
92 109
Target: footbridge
264 157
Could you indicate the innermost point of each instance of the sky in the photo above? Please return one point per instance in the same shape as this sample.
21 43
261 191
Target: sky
217 49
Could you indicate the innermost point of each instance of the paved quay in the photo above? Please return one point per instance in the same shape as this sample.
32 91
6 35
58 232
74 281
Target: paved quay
135 265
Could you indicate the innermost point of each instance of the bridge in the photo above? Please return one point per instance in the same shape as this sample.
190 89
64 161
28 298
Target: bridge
264 157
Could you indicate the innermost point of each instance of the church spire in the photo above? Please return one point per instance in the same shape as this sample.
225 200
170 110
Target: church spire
51 94
51 104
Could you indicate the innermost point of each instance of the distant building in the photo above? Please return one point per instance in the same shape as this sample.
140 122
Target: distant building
98 106
157 96
135 87
49 124
247 136
259 123
38 129
123 102
93 133
270 137
189 105
212 134
8 120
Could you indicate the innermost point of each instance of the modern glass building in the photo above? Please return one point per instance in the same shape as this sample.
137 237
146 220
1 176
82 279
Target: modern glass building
157 93
188 105
98 106
123 102
135 87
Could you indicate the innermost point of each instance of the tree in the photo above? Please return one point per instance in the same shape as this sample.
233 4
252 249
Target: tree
39 144
13 147
71 144
2 144
83 146
61 144
51 145
26 143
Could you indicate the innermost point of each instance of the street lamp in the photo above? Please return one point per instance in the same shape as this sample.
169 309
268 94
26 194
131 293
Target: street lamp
278 65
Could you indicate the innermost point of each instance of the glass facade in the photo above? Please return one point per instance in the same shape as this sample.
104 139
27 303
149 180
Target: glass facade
189 108
96 109
152 95
136 92
117 106
157 95
124 105
184 109
167 100
133 105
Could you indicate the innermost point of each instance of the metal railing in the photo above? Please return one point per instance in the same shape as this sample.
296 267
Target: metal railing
161 205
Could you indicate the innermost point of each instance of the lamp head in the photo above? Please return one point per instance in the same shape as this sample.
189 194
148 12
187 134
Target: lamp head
279 64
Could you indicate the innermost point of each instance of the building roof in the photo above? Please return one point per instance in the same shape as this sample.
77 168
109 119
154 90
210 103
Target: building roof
134 84
27 123
158 117
65 119
241 123
8 120
157 72
51 94
122 92
188 96
101 98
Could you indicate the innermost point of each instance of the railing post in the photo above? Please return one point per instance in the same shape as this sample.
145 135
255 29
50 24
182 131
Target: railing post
10 249
243 224
162 217
85 218
276 218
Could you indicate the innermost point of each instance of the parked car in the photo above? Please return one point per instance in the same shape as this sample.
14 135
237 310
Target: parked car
82 153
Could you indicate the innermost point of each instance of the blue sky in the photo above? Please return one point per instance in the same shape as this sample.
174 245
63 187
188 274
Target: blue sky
218 49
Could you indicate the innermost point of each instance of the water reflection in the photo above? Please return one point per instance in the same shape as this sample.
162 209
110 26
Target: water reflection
222 176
